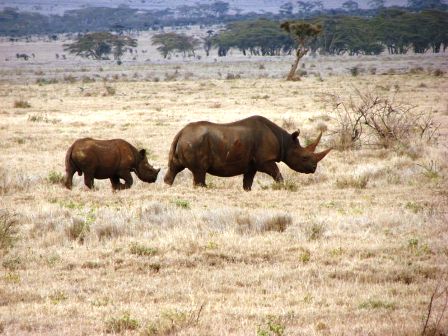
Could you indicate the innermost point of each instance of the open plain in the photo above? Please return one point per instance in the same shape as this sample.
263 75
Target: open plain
357 248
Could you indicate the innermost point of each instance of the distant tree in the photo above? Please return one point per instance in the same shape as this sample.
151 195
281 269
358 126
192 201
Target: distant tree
319 5
208 42
425 4
169 43
306 7
350 6
256 37
303 34
286 9
376 4
99 45
220 8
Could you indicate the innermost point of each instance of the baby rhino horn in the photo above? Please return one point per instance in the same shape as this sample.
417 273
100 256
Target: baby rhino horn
321 155
312 147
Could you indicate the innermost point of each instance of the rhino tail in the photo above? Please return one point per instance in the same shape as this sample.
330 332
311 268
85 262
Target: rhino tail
69 163
172 155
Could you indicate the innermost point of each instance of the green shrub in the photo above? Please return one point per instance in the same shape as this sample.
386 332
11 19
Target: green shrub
357 182
184 204
78 230
315 231
121 323
288 185
271 327
142 250
305 256
58 297
55 177
171 322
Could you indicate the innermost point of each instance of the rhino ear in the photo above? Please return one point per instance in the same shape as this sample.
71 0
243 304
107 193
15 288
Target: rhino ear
295 136
142 153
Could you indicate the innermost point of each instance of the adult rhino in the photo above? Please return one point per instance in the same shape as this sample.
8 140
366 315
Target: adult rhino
107 159
242 147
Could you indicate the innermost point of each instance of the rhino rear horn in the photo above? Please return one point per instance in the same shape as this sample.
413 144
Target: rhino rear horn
312 147
142 153
321 155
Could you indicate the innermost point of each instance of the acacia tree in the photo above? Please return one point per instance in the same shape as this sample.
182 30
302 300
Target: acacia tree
303 34
172 42
208 42
99 45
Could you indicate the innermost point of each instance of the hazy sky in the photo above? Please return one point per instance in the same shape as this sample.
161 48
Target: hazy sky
59 6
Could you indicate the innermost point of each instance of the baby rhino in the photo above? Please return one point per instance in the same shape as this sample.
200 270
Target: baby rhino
113 159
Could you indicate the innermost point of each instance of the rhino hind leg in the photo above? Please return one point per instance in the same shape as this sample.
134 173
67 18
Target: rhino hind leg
68 181
248 179
199 178
88 179
171 174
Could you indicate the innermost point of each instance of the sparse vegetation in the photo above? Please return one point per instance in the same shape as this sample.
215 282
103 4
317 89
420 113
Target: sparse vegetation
8 229
21 104
369 119
364 236
314 230
357 182
271 327
78 229
183 204
121 323
142 250
55 177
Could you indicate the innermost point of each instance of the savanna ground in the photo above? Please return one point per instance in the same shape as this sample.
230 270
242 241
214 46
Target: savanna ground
358 248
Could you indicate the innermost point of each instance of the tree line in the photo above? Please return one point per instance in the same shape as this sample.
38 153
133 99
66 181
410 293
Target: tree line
124 18
392 30
395 31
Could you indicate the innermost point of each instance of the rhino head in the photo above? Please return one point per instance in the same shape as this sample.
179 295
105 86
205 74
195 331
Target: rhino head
303 159
144 170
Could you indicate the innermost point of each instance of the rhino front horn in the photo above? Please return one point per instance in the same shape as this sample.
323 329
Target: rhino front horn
321 155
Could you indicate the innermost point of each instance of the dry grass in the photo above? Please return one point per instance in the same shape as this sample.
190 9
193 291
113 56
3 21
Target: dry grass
355 249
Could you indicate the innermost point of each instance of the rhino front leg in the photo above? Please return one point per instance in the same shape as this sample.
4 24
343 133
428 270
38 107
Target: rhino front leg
272 170
116 185
248 179
128 180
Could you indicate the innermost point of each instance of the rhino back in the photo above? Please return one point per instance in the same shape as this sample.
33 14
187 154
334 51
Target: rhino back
226 149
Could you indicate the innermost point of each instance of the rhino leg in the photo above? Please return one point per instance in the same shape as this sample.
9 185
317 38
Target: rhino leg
272 170
88 179
248 179
171 174
70 171
128 180
116 185
199 178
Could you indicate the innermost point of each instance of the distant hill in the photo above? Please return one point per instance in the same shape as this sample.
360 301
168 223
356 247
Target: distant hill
259 6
